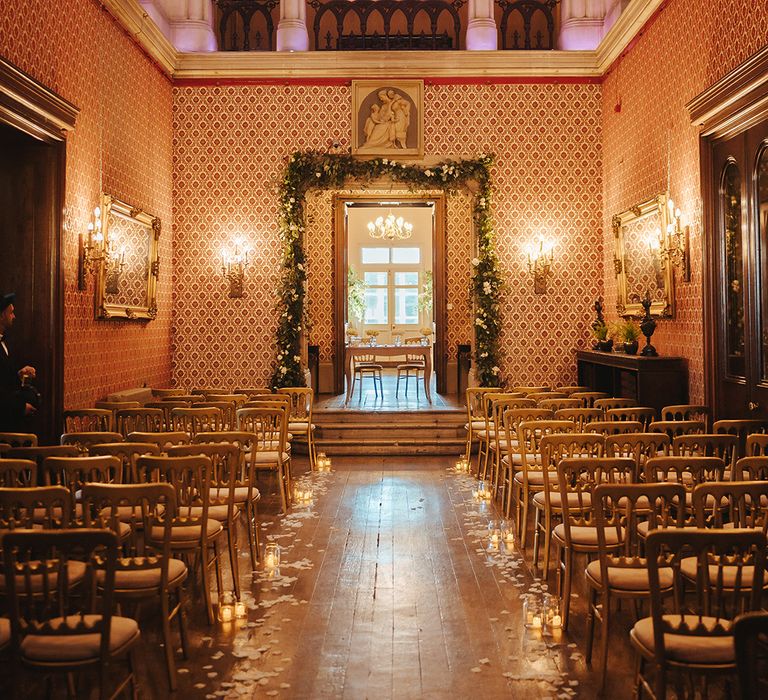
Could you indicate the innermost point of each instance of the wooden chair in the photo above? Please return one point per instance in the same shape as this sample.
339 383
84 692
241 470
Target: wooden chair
133 420
413 367
530 389
688 471
88 420
750 640
162 440
742 428
688 411
166 407
577 533
237 399
644 414
696 634
476 416
486 436
270 425
74 472
708 445
300 417
19 439
612 427
225 467
228 411
143 571
4 447
115 406
499 446
168 393
559 404
84 441
197 420
673 428
570 389
203 391
580 416
366 366
638 446
39 454
539 396
588 398
18 473
192 531
750 469
733 504
519 476
89 636
246 495
614 402
186 398
622 572
756 445
548 502
31 508
127 453
253 391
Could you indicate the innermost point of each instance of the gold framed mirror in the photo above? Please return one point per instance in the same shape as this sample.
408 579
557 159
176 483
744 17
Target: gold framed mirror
126 277
639 261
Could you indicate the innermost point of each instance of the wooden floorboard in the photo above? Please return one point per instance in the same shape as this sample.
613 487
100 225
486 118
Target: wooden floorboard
386 591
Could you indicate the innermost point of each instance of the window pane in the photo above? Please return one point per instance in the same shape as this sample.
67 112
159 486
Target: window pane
376 306
406 306
375 256
406 256
377 279
404 278
730 193
762 211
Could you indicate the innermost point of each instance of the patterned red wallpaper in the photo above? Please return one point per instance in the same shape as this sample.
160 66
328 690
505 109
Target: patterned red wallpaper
687 47
82 54
229 148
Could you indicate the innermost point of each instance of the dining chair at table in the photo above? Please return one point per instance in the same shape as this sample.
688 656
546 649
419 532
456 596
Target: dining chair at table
366 366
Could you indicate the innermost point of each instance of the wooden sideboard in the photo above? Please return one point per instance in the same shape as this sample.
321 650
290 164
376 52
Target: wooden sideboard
651 381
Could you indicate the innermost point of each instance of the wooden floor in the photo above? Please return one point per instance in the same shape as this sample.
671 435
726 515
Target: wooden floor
386 590
391 399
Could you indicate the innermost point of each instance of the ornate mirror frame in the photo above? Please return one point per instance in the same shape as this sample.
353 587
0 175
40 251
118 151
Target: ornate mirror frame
633 230
111 303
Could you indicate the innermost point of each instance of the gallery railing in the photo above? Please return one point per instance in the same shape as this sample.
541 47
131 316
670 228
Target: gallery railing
246 25
538 20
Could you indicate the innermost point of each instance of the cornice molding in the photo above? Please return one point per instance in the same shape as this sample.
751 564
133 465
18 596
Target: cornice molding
348 65
635 16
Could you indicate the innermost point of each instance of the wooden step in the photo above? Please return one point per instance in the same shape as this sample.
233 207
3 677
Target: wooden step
397 446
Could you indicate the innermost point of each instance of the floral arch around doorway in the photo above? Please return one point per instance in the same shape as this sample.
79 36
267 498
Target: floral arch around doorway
307 170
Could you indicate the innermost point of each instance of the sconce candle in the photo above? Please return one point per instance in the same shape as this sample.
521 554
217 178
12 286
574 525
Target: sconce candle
540 258
91 247
233 267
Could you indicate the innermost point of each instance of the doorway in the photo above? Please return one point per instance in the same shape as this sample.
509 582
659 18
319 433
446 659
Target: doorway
390 287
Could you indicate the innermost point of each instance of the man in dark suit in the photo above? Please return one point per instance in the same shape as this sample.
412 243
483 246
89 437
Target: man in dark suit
14 406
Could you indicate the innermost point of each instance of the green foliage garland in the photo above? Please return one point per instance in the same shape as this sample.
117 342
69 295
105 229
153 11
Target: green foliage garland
308 170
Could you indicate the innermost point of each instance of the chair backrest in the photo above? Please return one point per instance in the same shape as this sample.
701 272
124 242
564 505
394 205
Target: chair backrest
689 471
166 407
612 427
115 406
708 445
245 443
83 441
38 588
476 401
717 593
269 423
228 412
302 399
614 402
166 393
236 399
639 446
204 391
757 445
186 398
750 469
688 411
559 404
530 435
557 446
87 420
49 507
497 405
538 396
147 420
513 417
73 472
126 452
741 504
743 428
677 427
570 389
363 359
530 389
253 391
643 414
580 416
146 508
750 639
19 439
197 419
18 473
588 398
162 440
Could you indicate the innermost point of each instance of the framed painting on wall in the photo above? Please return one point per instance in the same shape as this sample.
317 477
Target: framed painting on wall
388 118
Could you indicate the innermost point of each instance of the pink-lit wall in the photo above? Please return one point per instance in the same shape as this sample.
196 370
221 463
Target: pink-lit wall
77 50
687 47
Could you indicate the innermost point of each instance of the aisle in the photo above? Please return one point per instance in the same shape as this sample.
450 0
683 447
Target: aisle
387 591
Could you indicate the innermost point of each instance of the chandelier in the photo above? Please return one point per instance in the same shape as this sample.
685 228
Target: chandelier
390 228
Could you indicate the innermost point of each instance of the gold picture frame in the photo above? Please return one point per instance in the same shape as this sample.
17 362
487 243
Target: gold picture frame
388 118
639 262
126 276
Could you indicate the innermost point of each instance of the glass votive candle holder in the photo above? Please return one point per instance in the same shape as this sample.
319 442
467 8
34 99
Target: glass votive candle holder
533 616
272 555
226 607
553 619
241 611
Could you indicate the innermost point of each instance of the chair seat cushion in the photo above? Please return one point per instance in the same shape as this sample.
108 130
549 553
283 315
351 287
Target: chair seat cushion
556 499
75 574
517 459
219 511
689 568
299 427
79 647
408 366
187 533
642 528
476 425
220 495
149 579
39 514
271 457
584 535
534 478
627 579
685 648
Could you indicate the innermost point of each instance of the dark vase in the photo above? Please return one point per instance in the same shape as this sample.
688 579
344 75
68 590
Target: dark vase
605 345
631 347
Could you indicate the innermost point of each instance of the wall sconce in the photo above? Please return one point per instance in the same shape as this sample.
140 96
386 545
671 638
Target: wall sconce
233 268
540 259
677 243
91 248
114 263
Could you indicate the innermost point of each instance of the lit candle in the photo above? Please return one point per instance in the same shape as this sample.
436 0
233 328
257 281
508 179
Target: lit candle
557 622
536 624
226 613
240 610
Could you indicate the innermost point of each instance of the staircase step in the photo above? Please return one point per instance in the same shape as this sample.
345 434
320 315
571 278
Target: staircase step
396 446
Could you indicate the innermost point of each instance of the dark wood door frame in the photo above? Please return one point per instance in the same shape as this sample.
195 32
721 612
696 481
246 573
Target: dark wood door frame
340 263
734 104
30 107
